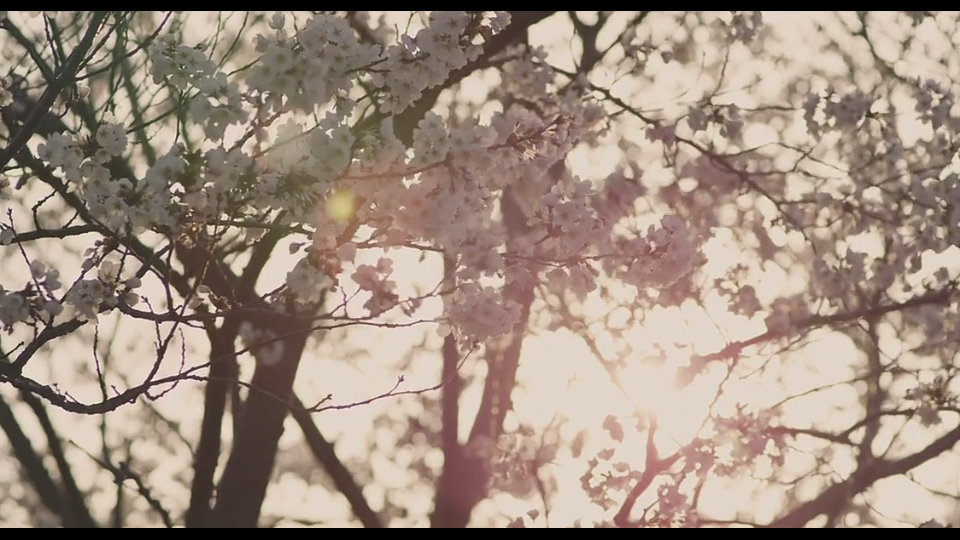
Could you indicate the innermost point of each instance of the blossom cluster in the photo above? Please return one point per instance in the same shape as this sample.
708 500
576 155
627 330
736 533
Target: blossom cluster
443 191
34 301
117 202
375 281
39 301
216 102
930 398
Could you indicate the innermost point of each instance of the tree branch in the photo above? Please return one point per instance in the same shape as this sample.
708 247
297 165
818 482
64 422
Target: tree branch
735 348
406 122
245 478
837 493
73 497
244 482
208 449
65 77
326 456
38 475
449 499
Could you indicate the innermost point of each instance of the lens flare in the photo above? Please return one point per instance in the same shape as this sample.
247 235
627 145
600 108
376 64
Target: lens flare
341 205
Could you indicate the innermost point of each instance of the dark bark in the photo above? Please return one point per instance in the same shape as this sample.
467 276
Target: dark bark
37 474
223 373
465 476
503 361
73 497
462 484
454 498
243 486
208 450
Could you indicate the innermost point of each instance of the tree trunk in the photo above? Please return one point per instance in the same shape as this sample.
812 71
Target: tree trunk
243 486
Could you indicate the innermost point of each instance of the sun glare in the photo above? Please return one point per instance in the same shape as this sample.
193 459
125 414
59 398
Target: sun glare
655 392
566 379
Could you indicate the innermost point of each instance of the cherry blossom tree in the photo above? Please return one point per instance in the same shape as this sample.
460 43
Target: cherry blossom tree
746 223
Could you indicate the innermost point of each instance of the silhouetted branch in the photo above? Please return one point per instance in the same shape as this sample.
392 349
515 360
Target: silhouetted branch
66 75
73 497
208 449
734 349
835 494
37 473
326 456
123 472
